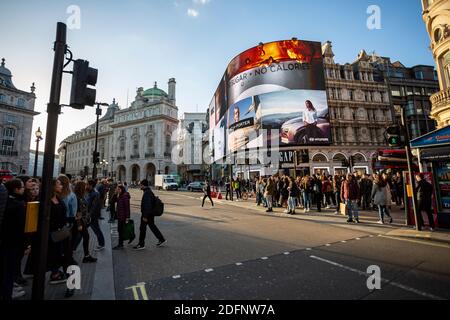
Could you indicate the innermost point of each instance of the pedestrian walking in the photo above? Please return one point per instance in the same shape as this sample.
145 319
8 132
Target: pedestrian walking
148 217
317 189
123 214
207 192
350 196
94 208
380 198
307 189
229 189
112 200
424 198
83 221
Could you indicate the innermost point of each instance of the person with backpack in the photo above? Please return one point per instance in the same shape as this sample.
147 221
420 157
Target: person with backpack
94 208
83 220
207 192
151 206
424 197
123 214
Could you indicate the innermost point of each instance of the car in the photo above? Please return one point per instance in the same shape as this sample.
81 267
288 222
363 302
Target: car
6 175
196 186
294 131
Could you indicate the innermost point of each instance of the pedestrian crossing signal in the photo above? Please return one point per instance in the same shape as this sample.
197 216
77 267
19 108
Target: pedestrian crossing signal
393 136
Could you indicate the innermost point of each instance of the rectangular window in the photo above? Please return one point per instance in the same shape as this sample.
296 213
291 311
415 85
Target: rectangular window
409 91
419 75
7 145
396 91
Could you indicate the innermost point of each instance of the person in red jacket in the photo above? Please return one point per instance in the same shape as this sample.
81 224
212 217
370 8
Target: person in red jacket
123 213
350 196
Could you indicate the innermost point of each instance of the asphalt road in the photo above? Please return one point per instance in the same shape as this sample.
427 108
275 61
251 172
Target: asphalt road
232 253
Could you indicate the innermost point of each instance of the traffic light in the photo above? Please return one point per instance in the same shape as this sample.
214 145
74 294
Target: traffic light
83 76
394 136
96 157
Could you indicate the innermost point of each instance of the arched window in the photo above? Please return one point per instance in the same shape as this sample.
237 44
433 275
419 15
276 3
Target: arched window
150 144
122 147
359 158
339 157
136 146
320 158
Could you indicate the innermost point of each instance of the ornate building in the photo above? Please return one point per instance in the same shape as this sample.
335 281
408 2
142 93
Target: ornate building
360 111
134 143
436 14
191 129
16 122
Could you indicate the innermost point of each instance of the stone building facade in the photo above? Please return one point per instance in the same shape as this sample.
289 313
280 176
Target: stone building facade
360 111
191 129
134 143
16 123
436 14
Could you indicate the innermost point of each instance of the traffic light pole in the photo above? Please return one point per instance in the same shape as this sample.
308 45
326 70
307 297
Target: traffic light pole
98 112
53 111
410 170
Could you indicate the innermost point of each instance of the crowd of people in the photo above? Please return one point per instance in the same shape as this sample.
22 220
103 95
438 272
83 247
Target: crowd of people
75 207
375 192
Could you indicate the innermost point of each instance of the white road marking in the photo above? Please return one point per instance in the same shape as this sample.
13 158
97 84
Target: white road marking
209 270
357 238
395 284
343 241
239 263
177 276
328 245
308 249
264 258
425 242
287 253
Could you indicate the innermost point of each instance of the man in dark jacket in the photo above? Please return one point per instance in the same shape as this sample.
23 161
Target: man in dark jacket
424 196
207 192
3 200
148 217
94 208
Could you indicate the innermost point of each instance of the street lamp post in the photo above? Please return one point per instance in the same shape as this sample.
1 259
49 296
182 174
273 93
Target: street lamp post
98 112
38 134
64 170
112 167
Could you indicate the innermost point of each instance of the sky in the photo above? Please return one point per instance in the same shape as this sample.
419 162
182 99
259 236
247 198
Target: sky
135 43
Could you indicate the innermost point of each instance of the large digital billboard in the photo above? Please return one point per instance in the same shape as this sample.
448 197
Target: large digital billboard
275 86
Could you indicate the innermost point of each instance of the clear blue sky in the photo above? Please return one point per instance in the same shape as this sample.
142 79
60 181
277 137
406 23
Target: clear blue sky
134 43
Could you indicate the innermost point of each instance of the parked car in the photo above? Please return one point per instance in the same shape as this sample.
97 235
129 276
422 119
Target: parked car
196 186
294 131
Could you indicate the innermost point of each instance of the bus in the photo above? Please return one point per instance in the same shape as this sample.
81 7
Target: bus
6 175
391 160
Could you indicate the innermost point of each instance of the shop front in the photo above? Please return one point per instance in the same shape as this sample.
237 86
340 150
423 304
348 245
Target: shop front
433 152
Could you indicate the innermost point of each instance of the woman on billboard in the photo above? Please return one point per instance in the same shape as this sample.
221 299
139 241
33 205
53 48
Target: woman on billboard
310 121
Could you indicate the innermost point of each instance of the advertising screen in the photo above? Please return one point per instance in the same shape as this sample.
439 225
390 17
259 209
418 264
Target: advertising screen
275 86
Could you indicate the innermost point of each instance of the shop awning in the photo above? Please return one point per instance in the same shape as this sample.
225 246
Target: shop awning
442 153
437 138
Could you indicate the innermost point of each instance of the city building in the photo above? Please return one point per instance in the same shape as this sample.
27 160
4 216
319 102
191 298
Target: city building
16 122
191 130
134 143
360 110
410 89
437 20
40 164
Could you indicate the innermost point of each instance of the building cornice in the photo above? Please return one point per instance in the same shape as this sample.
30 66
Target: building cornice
143 120
20 110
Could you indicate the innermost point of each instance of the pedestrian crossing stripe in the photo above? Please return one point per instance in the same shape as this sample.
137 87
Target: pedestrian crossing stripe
139 288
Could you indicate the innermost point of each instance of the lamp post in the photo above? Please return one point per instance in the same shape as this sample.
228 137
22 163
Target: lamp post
38 135
98 112
112 167
66 143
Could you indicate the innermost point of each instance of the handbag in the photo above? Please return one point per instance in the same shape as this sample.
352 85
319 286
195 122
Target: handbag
128 230
61 234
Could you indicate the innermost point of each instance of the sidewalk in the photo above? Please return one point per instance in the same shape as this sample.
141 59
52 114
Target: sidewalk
97 279
368 219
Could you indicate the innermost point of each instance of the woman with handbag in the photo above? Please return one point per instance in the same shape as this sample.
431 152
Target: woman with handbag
82 222
59 232
123 214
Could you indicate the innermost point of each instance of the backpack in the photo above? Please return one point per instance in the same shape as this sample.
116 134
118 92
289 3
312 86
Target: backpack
158 207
